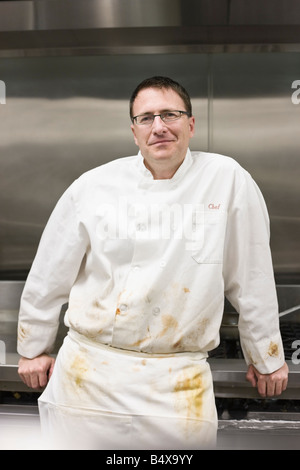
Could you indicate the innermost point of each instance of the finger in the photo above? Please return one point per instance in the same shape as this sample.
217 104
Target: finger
284 385
34 381
43 379
250 376
51 370
278 388
273 389
26 379
281 386
262 387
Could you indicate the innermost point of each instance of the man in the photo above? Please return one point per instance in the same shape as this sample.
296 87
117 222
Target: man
143 249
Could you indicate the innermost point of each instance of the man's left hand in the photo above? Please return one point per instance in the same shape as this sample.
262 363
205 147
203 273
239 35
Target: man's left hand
268 385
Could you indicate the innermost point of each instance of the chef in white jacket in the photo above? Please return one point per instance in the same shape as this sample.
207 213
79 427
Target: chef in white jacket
143 249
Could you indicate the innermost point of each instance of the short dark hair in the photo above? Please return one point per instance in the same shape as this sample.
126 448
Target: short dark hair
162 82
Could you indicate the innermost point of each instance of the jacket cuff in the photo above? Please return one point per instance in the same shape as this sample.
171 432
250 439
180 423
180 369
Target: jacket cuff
266 355
34 340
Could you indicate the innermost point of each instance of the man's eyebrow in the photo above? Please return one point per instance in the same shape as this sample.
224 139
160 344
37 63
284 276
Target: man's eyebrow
161 111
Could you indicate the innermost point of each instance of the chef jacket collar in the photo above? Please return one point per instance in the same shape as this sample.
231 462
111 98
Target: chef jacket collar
147 177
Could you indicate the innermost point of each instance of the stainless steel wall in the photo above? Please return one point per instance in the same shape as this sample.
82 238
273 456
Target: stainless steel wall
65 115
255 120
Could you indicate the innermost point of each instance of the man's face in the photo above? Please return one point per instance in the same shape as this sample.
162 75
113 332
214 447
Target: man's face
160 141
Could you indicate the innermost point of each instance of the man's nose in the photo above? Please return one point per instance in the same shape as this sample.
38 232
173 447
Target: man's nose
158 124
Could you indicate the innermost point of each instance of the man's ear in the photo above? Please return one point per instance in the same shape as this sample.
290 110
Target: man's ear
134 136
192 126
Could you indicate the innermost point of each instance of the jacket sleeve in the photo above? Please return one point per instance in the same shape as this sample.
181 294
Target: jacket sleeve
249 278
56 265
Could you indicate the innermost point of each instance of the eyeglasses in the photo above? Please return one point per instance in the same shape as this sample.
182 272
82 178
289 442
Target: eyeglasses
166 116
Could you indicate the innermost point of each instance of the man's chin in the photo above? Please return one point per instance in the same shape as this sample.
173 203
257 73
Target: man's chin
161 155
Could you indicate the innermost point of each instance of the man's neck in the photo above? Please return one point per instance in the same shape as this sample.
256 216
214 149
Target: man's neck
162 170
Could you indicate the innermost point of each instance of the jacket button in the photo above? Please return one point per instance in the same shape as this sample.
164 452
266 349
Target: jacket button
156 311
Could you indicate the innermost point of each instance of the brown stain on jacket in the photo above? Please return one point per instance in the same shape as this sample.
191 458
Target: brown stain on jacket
23 333
168 322
273 350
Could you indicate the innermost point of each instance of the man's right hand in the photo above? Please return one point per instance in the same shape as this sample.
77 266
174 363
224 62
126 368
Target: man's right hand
36 372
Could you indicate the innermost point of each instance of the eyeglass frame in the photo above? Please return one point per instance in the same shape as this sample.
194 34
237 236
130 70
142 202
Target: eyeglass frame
160 115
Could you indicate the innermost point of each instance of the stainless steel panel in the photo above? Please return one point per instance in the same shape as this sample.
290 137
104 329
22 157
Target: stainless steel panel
58 14
229 378
254 120
63 14
266 12
17 16
63 27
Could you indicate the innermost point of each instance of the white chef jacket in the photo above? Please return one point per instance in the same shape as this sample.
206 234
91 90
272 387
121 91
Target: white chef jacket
144 263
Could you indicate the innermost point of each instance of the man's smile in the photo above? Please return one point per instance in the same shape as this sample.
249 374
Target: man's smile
161 141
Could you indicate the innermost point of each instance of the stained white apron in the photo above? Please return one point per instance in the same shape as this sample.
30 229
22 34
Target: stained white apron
105 398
